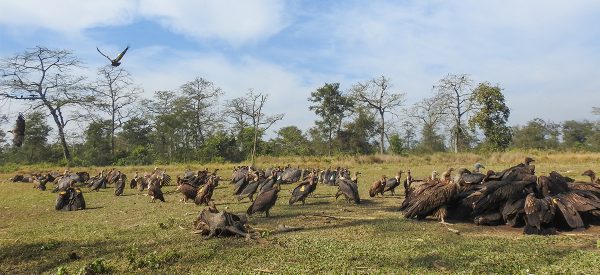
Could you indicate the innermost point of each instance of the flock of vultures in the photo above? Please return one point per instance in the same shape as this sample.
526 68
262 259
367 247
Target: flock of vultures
515 196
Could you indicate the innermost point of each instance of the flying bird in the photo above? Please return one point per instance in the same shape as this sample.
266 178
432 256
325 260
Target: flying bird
115 62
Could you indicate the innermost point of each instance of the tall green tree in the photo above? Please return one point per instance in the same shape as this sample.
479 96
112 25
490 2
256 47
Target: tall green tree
36 137
577 134
290 141
97 143
332 106
536 134
356 136
491 116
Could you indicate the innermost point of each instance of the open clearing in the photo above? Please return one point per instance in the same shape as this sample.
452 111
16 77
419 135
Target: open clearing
133 235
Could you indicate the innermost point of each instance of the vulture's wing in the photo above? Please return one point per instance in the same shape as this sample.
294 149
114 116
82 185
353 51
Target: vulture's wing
121 54
103 54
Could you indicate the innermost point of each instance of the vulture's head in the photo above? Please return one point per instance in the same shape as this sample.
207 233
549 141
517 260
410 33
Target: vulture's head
589 173
528 160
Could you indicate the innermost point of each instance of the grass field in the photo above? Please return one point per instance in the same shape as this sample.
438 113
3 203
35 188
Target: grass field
129 234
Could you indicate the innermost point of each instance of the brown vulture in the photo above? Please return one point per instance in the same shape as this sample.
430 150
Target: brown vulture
19 131
539 215
378 186
99 182
204 194
188 191
430 198
154 190
592 186
120 183
493 196
114 62
348 188
70 199
134 181
391 184
264 201
305 188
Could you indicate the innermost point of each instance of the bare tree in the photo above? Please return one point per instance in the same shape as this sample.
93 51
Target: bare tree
114 92
429 113
376 94
596 111
45 77
203 95
457 92
248 111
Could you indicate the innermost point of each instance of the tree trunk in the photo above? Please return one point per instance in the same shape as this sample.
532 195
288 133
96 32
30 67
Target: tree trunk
329 144
61 134
381 148
112 135
254 145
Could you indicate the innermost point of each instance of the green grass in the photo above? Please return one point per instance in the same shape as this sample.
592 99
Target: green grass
131 235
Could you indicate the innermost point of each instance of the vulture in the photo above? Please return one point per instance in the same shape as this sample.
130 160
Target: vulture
592 186
349 188
391 184
238 174
154 190
494 195
264 201
120 183
142 182
117 61
539 215
268 184
99 182
469 178
378 186
447 175
19 131
477 167
252 187
430 198
188 191
134 181
70 199
513 212
204 194
241 183
301 192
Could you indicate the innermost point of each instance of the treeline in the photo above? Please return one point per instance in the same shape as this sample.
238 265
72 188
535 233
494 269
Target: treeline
194 123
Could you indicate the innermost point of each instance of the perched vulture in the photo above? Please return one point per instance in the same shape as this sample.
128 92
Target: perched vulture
252 187
204 194
391 184
99 182
494 194
19 131
301 192
120 183
264 201
188 191
114 62
70 199
378 186
431 198
154 190
349 189
513 212
539 215
134 181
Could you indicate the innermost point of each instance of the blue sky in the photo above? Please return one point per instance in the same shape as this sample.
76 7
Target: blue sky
545 54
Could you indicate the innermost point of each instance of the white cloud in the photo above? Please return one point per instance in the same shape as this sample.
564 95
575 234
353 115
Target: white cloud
68 16
230 20
235 22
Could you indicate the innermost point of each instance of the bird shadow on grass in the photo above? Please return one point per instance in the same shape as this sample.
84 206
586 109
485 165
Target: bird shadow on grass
95 207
